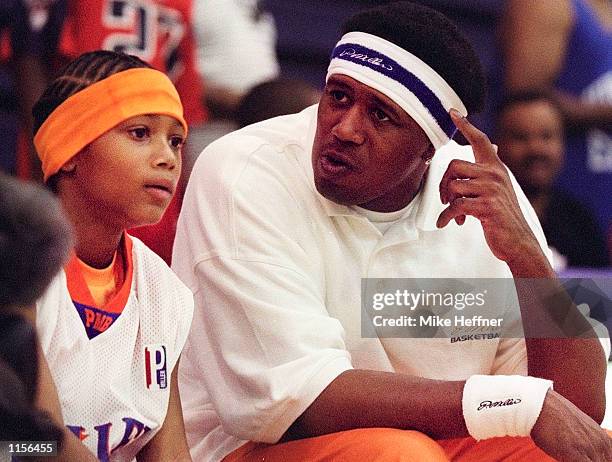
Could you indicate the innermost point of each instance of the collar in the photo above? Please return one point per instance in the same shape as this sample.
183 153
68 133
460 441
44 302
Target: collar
79 289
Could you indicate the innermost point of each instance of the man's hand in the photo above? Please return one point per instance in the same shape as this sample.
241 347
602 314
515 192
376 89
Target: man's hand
566 433
483 189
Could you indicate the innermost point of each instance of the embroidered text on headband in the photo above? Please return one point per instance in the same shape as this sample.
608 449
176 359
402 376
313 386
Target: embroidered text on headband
403 77
91 112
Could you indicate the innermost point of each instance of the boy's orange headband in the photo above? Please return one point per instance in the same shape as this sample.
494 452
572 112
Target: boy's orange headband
93 111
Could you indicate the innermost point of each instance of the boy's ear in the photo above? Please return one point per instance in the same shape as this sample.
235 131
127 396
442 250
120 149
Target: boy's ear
69 166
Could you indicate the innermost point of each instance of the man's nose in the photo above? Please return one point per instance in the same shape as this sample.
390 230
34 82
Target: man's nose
350 126
539 144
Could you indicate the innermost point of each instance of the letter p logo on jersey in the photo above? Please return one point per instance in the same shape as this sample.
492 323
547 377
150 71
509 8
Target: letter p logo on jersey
155 367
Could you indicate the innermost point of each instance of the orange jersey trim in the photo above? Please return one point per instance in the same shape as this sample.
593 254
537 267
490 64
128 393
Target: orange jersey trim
79 290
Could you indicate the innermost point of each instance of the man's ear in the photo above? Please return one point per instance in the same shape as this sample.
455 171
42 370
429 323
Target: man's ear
428 154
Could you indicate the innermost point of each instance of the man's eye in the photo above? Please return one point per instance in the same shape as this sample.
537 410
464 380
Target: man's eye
176 142
338 95
381 116
139 132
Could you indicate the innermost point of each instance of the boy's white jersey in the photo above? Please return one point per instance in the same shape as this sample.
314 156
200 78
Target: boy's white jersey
114 388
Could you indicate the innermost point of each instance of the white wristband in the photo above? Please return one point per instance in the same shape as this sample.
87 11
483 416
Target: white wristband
502 405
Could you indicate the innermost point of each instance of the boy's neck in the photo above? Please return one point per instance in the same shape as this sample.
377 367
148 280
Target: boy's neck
97 236
97 251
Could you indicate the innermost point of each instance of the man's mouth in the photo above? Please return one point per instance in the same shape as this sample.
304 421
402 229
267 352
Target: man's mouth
537 161
335 164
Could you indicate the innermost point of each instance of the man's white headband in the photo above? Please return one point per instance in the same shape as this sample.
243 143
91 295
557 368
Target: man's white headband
398 74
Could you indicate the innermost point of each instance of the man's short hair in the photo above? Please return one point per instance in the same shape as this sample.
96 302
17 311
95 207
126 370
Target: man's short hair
35 240
434 39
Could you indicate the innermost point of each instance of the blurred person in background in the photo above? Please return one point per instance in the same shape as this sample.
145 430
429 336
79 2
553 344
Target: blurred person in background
236 57
566 46
531 142
29 32
35 240
236 50
274 98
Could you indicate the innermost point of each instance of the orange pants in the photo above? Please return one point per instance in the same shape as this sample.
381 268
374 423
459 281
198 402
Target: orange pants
390 445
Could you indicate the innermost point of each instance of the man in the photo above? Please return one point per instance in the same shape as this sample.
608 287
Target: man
531 143
282 220
565 46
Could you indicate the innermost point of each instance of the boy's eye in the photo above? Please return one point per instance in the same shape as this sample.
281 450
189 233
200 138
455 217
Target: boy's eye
381 116
139 132
176 142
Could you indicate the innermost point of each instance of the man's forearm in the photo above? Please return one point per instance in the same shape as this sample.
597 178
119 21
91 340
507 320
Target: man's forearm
576 367
561 344
367 399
